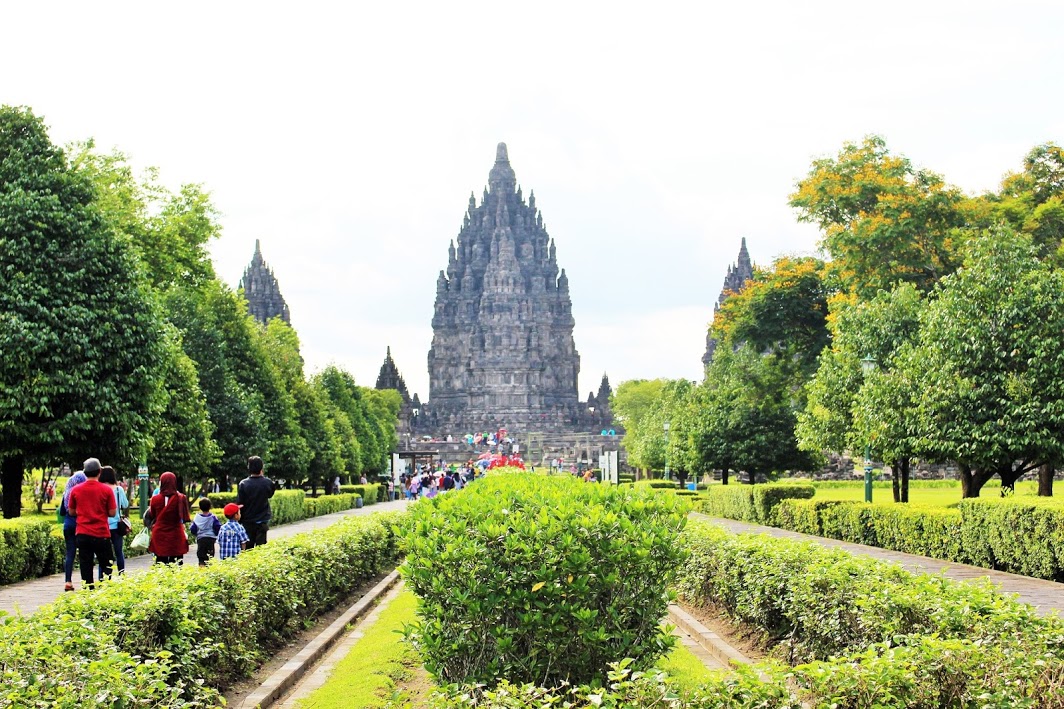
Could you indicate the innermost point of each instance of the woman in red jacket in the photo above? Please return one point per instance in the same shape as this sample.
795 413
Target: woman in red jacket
168 513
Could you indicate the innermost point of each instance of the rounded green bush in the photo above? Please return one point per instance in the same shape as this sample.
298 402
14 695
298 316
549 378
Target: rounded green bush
541 579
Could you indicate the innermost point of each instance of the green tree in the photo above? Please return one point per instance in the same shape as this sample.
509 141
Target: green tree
80 332
876 328
883 220
182 435
989 362
635 403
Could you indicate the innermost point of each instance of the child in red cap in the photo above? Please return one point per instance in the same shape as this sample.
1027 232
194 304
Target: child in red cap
232 537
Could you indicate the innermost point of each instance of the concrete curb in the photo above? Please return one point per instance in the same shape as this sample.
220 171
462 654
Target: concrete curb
712 643
282 680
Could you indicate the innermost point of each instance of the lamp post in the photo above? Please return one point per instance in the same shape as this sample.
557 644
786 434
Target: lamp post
868 364
667 450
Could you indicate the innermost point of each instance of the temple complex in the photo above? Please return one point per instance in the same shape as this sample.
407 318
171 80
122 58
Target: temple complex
738 274
502 351
261 290
389 378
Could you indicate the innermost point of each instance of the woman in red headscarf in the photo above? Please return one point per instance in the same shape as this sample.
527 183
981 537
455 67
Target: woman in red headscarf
168 513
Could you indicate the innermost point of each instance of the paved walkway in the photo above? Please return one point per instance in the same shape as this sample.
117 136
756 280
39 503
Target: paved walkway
1046 596
26 596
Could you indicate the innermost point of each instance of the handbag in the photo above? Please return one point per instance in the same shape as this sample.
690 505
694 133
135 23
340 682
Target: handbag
142 540
125 526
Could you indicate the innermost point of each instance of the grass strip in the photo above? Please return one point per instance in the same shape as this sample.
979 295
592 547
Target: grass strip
368 675
685 670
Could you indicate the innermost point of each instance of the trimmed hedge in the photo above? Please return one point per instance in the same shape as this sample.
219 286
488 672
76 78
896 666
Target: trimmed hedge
923 640
1021 535
29 548
752 503
175 636
286 505
541 578
328 504
371 493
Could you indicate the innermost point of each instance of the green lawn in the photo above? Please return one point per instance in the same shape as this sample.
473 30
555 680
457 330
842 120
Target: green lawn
372 674
932 496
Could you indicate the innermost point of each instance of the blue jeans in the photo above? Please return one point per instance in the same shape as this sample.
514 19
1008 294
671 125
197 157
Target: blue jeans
71 552
120 555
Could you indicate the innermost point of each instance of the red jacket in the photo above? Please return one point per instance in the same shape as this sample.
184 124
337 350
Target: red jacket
168 535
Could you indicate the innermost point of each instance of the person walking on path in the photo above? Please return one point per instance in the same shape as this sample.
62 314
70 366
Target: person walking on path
168 513
70 523
232 537
115 523
205 527
92 503
253 496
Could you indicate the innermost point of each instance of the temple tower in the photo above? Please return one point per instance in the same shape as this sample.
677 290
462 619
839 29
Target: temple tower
738 274
261 290
389 378
502 348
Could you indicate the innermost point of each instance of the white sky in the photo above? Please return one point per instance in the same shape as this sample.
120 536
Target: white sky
348 136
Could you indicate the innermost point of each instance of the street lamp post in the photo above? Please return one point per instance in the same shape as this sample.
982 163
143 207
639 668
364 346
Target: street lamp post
667 450
868 364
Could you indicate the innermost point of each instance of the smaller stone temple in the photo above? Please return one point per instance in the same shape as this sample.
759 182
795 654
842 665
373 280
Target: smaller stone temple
261 290
389 378
738 274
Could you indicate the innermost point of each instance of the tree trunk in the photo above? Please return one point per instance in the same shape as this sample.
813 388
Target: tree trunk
895 480
906 465
11 479
1045 480
972 481
1008 480
724 476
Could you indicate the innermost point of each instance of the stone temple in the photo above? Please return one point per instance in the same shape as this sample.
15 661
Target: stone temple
502 348
262 292
738 274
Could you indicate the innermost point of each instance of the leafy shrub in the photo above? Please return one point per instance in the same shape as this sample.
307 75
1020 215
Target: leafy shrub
328 504
802 515
541 579
826 602
173 636
286 506
657 484
29 548
752 503
1020 535
371 492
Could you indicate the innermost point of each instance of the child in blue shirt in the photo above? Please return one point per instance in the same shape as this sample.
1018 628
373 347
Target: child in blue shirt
205 526
232 537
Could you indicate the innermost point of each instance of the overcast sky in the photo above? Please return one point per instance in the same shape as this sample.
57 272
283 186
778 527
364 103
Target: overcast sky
348 137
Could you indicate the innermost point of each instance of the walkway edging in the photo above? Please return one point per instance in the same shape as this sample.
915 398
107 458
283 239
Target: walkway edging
284 677
712 643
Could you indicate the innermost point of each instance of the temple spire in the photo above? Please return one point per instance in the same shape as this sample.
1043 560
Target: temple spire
261 290
502 177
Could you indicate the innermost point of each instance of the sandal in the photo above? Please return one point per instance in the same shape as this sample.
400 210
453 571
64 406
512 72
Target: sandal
68 586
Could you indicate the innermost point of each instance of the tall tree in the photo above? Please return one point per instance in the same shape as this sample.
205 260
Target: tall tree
883 220
80 332
875 329
988 364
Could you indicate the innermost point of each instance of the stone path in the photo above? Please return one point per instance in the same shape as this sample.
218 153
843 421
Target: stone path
26 596
1046 596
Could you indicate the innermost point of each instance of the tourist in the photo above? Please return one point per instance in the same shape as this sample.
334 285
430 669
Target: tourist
205 527
391 490
116 524
336 486
253 495
232 536
70 524
92 503
168 513
362 480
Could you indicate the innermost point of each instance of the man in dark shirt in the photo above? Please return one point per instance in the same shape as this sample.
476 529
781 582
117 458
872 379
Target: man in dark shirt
253 495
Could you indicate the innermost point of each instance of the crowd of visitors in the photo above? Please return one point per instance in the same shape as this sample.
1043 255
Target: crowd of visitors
429 482
94 510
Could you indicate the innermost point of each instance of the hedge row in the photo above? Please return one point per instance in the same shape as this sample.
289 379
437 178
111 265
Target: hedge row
176 636
752 503
1019 535
371 493
286 506
328 504
871 629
